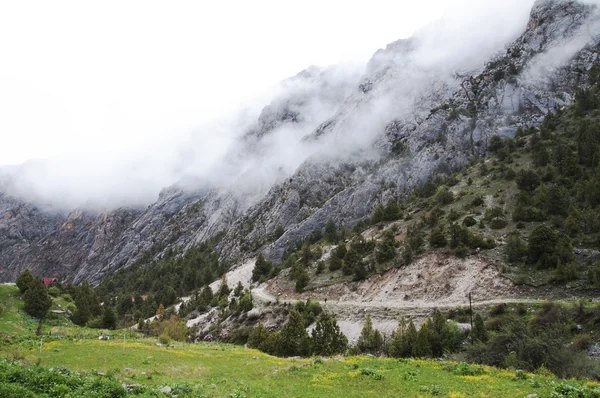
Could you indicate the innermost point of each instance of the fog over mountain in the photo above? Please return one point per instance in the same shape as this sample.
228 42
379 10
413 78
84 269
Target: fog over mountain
247 150
329 144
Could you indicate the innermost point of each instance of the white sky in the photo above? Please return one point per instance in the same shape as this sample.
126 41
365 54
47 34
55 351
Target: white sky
110 76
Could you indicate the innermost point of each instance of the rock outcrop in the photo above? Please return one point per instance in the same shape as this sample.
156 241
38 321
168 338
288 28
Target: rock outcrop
364 141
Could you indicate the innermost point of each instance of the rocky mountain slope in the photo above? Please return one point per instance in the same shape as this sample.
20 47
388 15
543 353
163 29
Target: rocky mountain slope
348 144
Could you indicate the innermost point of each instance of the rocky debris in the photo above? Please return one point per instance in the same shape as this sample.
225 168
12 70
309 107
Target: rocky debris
415 291
130 387
166 390
594 351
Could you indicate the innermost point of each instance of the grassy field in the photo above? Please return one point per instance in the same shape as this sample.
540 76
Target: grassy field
219 370
73 361
13 321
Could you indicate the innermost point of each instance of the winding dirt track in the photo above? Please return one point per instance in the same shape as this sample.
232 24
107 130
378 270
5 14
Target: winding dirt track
434 281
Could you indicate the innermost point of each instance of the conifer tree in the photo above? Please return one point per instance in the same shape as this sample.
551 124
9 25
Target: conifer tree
37 302
370 339
294 338
258 336
25 281
422 347
327 339
479 332
239 289
109 319
409 339
437 238
223 288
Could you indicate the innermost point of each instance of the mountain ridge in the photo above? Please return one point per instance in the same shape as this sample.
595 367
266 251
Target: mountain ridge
399 125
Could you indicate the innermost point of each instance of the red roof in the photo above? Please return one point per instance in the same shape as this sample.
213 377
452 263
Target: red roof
48 281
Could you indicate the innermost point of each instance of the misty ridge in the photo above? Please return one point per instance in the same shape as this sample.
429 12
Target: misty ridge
321 114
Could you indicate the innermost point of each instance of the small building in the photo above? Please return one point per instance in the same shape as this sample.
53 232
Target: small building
50 282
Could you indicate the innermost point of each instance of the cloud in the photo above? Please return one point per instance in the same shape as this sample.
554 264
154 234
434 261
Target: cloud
249 149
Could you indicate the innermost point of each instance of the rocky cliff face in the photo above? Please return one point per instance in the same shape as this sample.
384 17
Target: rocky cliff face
363 141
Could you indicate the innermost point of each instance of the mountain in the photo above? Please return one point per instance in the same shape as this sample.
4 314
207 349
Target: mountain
331 146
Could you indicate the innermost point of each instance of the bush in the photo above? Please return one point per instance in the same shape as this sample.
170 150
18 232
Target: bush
164 339
240 335
95 323
469 221
582 342
444 196
461 251
477 201
453 215
565 272
335 263
437 238
498 223
176 329
465 369
515 248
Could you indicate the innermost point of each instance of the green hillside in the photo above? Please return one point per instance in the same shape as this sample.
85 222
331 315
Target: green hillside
73 362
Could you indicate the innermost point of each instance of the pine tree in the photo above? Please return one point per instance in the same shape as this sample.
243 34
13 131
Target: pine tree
565 272
409 339
515 248
360 271
25 281
246 303
330 233
82 313
223 288
378 215
109 319
370 339
564 250
542 242
327 339
294 337
437 238
239 289
395 346
422 347
386 249
301 276
258 336
262 267
407 254
557 202
207 295
438 333
37 302
444 196
479 332
392 212
335 263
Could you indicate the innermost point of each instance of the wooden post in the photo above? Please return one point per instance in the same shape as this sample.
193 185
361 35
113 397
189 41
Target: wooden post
471 314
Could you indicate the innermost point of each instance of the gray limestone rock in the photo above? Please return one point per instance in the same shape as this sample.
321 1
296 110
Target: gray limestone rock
369 139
